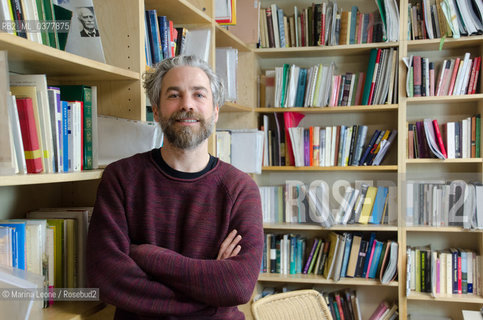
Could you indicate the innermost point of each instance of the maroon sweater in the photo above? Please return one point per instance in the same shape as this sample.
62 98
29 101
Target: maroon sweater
153 241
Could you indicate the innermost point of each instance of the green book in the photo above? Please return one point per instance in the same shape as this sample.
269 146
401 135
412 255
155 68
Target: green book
478 128
62 14
314 257
49 16
84 94
369 74
286 68
58 225
41 13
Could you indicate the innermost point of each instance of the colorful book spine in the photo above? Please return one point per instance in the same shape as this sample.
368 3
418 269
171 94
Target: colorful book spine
30 138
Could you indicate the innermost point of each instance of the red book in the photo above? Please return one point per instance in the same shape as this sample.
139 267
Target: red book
311 137
453 76
30 138
373 83
360 87
439 138
370 28
477 72
339 306
371 254
417 82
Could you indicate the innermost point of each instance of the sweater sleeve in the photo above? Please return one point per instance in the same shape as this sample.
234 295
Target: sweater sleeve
227 282
120 280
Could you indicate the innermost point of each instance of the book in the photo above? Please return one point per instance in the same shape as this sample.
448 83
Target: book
369 201
83 94
84 35
30 138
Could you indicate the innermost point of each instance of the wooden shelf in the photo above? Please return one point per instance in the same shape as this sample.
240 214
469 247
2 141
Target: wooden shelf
225 38
63 310
25 56
441 229
318 279
445 161
314 227
40 178
338 109
443 99
180 11
463 298
234 107
335 168
302 52
433 44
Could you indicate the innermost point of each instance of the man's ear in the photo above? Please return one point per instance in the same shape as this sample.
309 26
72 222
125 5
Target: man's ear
155 113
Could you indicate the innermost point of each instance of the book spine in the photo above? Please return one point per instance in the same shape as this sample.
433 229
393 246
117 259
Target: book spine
30 138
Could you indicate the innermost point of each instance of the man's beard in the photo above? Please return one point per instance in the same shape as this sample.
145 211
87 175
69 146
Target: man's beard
187 137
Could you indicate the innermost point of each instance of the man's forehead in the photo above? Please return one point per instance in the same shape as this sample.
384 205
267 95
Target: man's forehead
185 76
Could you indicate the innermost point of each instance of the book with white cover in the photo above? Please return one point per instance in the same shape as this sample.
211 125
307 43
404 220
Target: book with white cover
83 38
120 138
198 43
247 150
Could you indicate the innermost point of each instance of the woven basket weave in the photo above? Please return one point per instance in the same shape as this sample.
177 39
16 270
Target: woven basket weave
293 305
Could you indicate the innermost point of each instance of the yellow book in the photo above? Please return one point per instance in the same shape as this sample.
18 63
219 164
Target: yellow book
58 225
316 88
334 242
70 238
367 205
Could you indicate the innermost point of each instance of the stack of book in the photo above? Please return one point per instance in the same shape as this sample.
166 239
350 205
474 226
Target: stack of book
298 203
325 24
53 128
441 203
456 76
428 20
343 304
318 86
346 255
50 243
443 272
454 140
58 24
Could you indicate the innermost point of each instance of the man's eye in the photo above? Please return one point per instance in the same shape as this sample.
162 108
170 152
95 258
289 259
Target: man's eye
200 95
173 95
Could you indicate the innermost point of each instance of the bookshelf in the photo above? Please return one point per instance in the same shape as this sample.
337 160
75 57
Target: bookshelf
119 82
397 167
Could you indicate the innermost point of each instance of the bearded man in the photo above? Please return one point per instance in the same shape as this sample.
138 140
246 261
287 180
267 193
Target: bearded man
176 233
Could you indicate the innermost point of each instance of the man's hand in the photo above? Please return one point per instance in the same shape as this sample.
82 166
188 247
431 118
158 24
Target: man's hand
230 247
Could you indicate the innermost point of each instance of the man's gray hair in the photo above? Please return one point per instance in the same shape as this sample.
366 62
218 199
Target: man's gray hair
152 80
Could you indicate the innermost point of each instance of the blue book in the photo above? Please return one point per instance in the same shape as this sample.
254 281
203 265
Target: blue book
155 39
293 256
281 28
464 272
164 35
368 147
353 24
19 254
65 135
301 84
345 259
375 259
378 207
368 254
147 42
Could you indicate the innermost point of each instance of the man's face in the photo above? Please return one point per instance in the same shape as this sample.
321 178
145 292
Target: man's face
186 112
87 18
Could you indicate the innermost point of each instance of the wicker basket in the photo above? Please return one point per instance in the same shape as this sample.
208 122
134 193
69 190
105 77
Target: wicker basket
293 305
